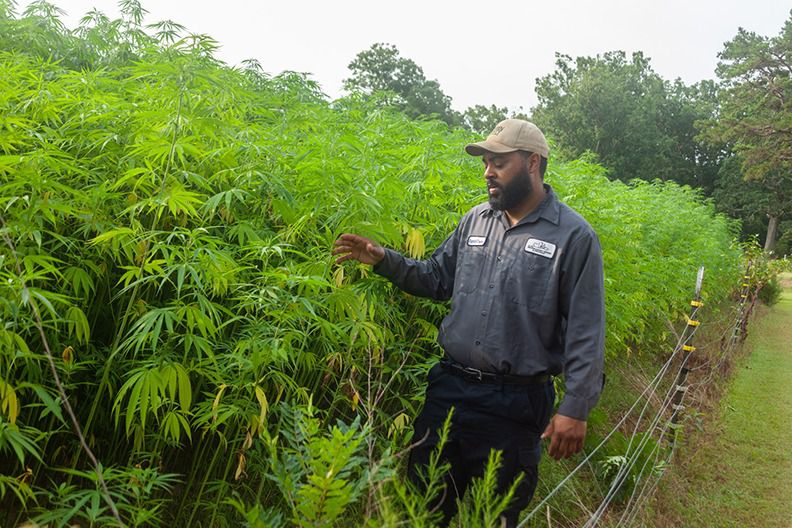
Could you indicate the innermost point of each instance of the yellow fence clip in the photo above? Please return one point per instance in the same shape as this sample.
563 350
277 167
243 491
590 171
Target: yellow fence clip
693 322
689 348
697 304
745 285
746 277
743 296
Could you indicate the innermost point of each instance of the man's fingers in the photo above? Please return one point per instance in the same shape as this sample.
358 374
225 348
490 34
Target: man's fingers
348 237
569 447
555 445
548 431
563 448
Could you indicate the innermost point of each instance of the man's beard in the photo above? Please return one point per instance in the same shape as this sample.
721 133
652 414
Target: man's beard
513 193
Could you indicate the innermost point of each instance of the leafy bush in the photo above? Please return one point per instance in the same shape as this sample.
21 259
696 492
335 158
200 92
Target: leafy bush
770 293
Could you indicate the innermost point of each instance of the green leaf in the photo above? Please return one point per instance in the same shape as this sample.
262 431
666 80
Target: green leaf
78 324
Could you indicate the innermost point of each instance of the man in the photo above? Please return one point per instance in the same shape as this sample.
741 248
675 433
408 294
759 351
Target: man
524 275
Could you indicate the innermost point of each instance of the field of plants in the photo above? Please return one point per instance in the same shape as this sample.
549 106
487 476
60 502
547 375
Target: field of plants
166 227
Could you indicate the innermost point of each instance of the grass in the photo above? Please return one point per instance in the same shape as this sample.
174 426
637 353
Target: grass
739 474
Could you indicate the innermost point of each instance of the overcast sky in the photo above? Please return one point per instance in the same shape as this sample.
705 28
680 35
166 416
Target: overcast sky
480 52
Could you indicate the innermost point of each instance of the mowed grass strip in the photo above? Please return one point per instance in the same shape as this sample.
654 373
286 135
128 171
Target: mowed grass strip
742 476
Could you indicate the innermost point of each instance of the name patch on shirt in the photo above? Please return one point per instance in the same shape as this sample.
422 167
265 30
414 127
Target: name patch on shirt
540 247
476 240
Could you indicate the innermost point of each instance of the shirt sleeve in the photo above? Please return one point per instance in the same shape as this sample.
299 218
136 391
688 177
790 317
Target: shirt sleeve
582 299
433 277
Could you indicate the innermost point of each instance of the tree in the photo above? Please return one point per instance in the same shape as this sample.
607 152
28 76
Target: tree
608 105
482 119
741 198
691 161
755 116
638 124
400 82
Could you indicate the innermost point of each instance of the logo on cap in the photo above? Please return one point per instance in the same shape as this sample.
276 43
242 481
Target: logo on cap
498 130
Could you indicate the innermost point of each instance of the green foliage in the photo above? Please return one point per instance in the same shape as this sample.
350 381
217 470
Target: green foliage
318 475
770 294
20 442
173 217
391 80
482 119
381 69
638 124
764 272
482 506
653 236
134 489
755 116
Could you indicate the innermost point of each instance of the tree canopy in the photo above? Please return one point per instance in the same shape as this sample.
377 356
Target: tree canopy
755 116
381 69
638 124
397 81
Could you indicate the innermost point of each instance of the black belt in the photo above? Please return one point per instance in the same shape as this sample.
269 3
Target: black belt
480 376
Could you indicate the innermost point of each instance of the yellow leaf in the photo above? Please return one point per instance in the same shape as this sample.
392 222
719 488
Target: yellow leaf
68 355
216 401
414 243
338 276
140 251
399 423
262 399
25 477
9 403
240 470
376 354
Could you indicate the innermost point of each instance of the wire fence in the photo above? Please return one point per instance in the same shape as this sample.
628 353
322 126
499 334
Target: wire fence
657 412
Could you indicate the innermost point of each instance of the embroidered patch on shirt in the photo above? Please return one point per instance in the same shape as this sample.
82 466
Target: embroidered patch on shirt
540 247
476 240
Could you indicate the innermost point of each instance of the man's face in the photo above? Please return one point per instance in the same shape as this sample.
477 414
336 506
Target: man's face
508 180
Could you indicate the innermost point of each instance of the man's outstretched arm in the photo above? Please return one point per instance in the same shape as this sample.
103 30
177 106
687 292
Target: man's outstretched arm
432 277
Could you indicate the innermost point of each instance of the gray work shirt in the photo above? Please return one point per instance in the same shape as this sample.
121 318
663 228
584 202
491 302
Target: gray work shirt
525 300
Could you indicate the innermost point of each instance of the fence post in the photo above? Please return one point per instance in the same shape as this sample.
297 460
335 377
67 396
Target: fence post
742 324
688 348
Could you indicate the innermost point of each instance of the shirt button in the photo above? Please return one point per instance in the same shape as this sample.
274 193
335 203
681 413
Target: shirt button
483 313
499 259
491 285
478 342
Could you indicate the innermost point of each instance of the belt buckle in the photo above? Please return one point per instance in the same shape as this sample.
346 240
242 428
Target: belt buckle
473 372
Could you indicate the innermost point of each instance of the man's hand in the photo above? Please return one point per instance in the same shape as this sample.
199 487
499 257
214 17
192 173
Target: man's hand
354 247
566 436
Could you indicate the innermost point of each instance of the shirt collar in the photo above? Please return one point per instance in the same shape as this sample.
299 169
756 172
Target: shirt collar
549 209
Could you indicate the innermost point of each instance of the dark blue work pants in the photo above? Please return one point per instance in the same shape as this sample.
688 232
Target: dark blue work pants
507 417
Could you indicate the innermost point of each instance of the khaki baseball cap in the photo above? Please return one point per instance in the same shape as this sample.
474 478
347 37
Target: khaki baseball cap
511 135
